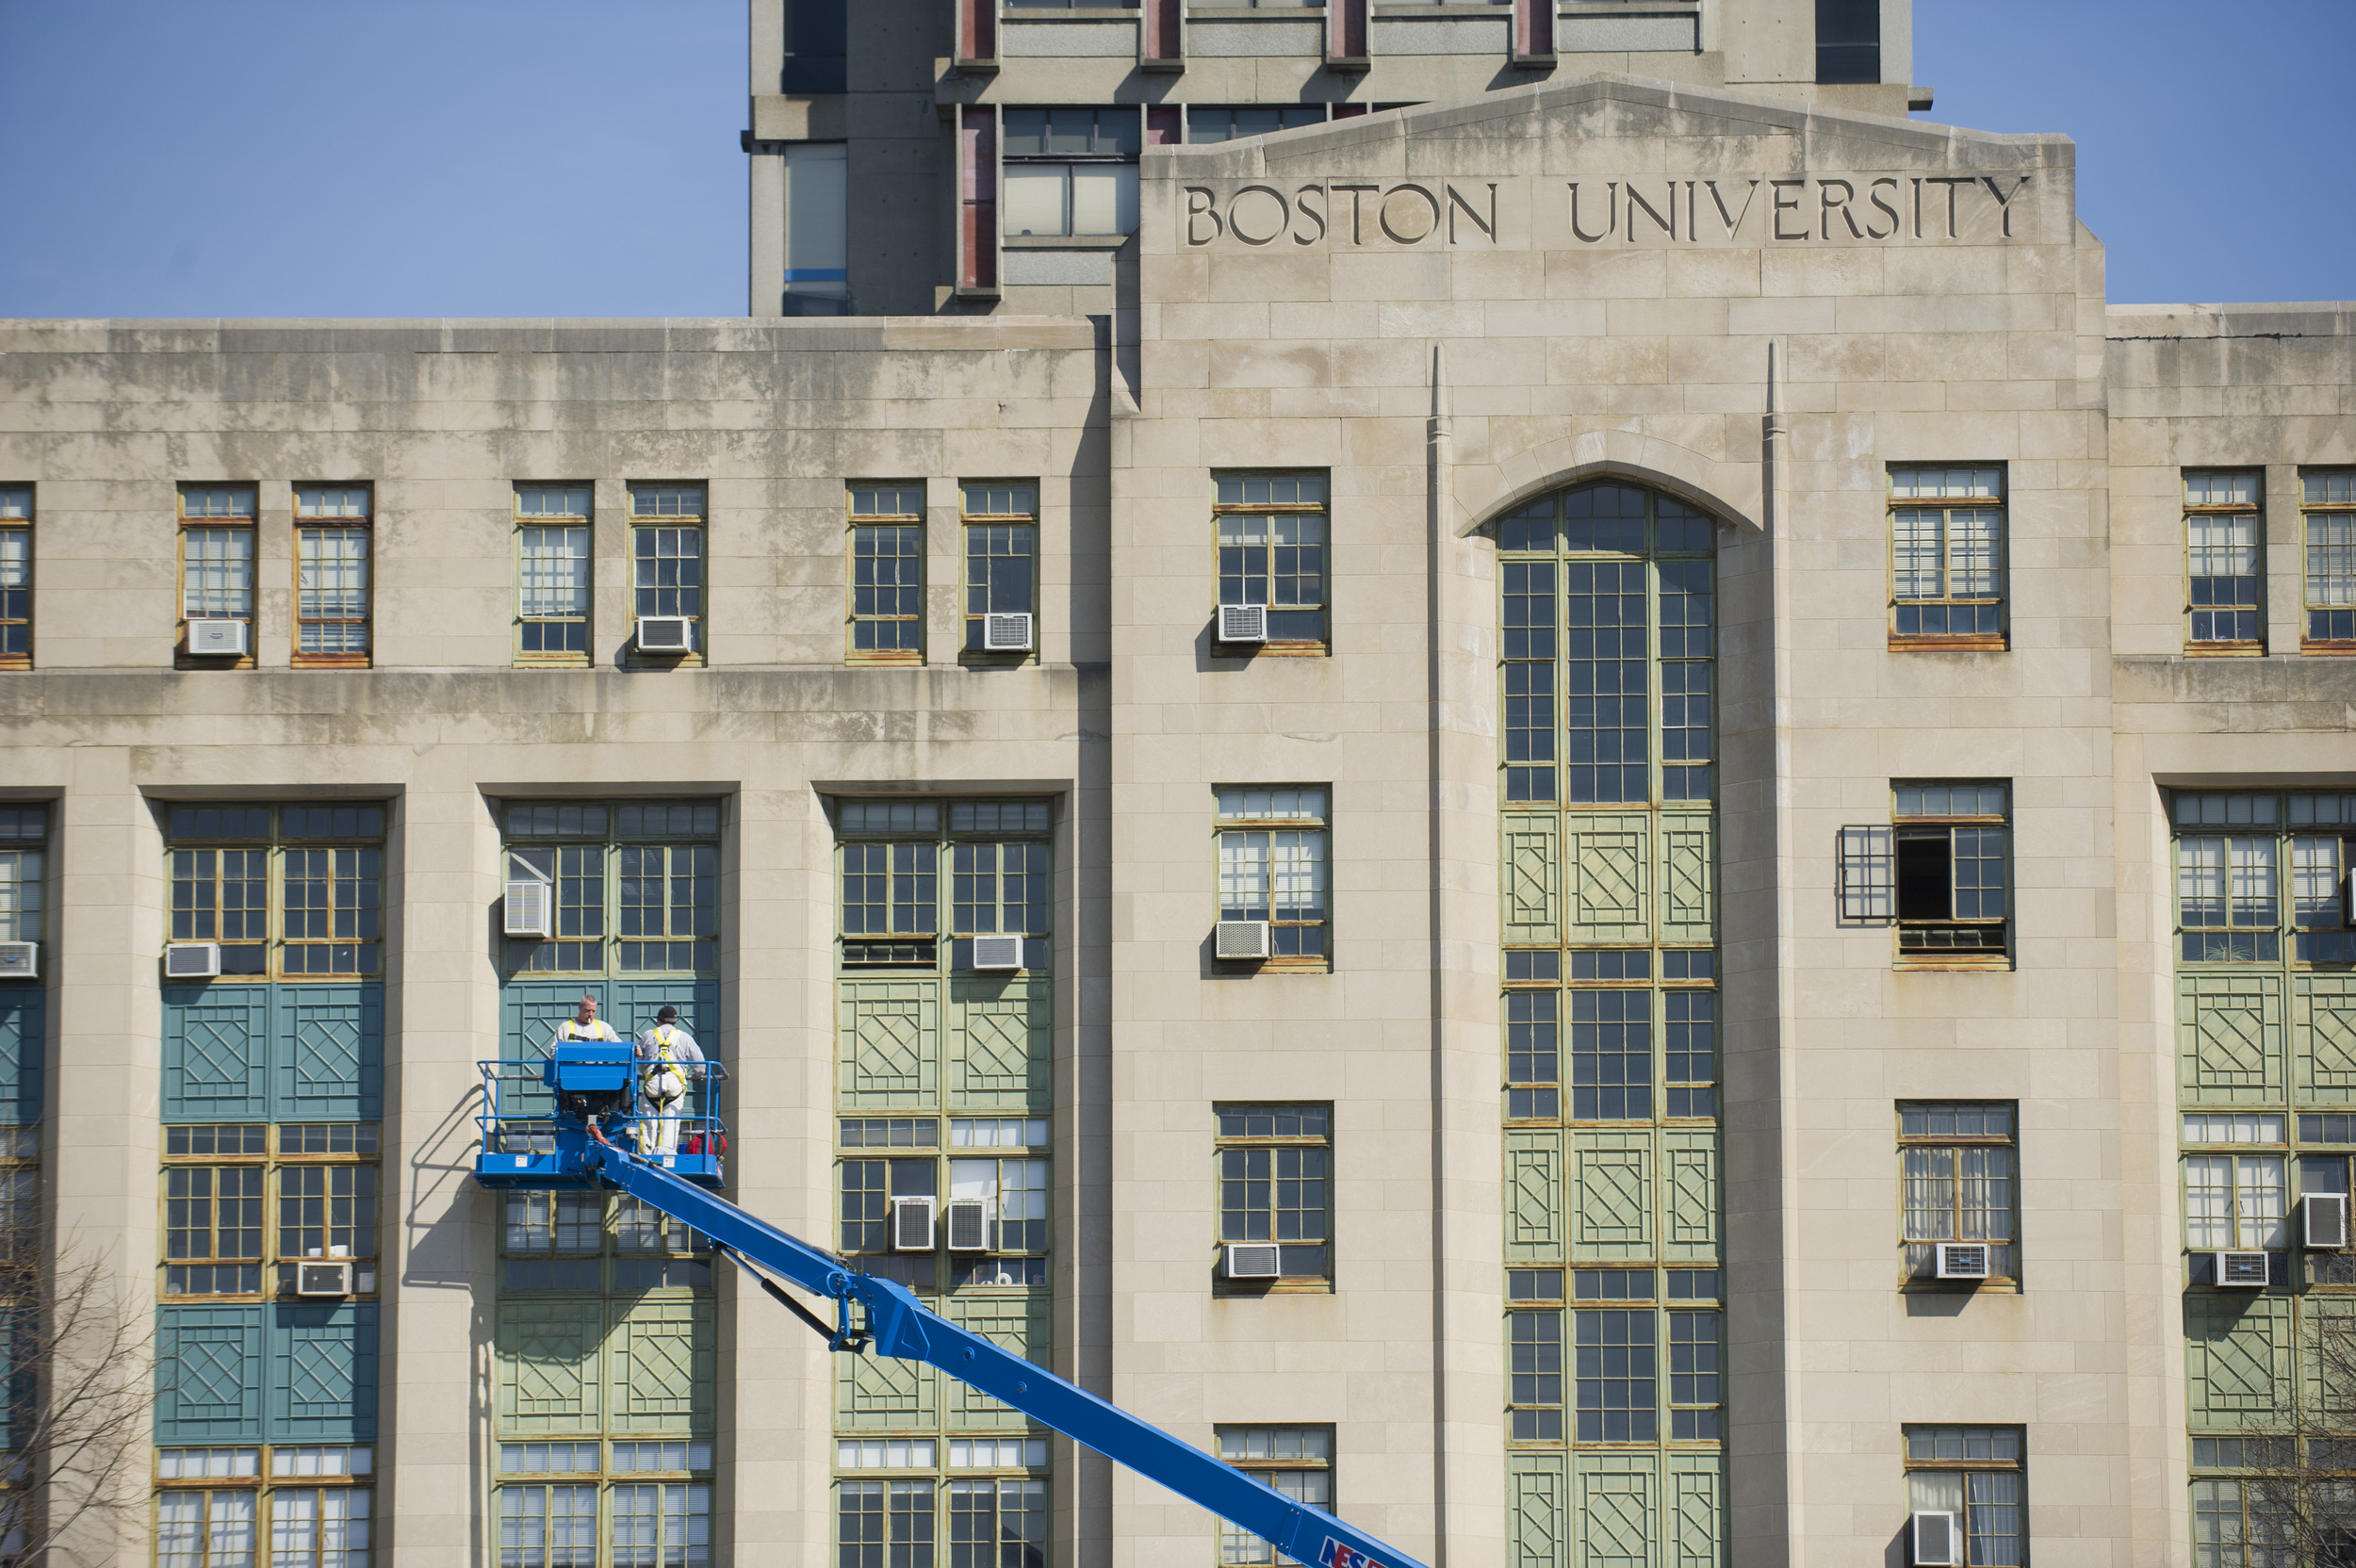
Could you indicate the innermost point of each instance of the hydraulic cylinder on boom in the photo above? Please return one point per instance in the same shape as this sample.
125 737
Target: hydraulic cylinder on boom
575 1127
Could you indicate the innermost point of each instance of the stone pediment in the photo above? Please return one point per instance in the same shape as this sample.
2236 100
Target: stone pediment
1610 162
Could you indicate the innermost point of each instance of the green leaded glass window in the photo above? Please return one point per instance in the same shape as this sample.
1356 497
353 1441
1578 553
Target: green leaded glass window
1601 586
635 891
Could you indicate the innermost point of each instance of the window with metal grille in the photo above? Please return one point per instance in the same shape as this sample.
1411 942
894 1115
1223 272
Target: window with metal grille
1272 867
1947 557
886 542
217 561
333 532
2327 518
1978 1474
16 576
666 549
1941 870
1001 562
552 574
1958 1169
1071 171
1275 1175
1273 553
1296 1460
2224 562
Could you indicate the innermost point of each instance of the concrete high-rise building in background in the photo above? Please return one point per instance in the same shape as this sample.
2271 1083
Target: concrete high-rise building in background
1678 820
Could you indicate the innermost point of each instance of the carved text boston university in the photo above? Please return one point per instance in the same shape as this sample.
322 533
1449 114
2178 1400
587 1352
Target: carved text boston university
1849 208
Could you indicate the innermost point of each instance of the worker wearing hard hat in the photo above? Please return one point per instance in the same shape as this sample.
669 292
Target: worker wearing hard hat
669 1061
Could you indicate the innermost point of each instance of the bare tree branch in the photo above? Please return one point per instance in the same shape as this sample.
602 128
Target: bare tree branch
76 1394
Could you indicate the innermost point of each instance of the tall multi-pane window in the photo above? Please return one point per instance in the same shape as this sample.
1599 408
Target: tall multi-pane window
666 558
2224 562
1947 557
2328 516
1071 171
217 560
1273 868
1275 1185
332 533
552 576
887 617
1958 1172
1978 1474
2251 865
1589 577
289 1505
287 892
1296 1460
635 885
1613 1332
16 576
1272 554
1001 568
944 1171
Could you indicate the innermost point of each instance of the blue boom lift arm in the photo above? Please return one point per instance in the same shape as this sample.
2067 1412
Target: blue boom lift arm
592 1082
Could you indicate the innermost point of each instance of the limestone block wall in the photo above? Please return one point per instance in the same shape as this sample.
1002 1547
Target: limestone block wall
104 418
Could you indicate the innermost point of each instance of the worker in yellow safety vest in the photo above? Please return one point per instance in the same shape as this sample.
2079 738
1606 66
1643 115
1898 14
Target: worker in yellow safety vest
668 1058
583 1025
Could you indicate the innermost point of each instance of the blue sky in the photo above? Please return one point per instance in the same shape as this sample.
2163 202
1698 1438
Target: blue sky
522 157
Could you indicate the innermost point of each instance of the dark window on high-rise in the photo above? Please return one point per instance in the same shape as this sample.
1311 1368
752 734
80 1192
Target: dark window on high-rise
816 47
1848 40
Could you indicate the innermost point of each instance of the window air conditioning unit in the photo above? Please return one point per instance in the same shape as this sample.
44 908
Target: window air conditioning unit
998 953
1241 938
1963 1260
2323 1216
322 1279
2241 1270
191 960
1252 1260
968 1225
1005 632
1243 623
665 635
911 1224
20 961
216 639
1938 1541
526 908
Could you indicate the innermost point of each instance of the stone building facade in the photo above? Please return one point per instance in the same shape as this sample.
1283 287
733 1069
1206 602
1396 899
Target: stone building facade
1750 723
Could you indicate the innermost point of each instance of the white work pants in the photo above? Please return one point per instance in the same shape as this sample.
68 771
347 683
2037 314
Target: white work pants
658 1123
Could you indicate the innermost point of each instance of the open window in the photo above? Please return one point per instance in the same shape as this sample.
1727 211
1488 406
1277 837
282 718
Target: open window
1940 872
